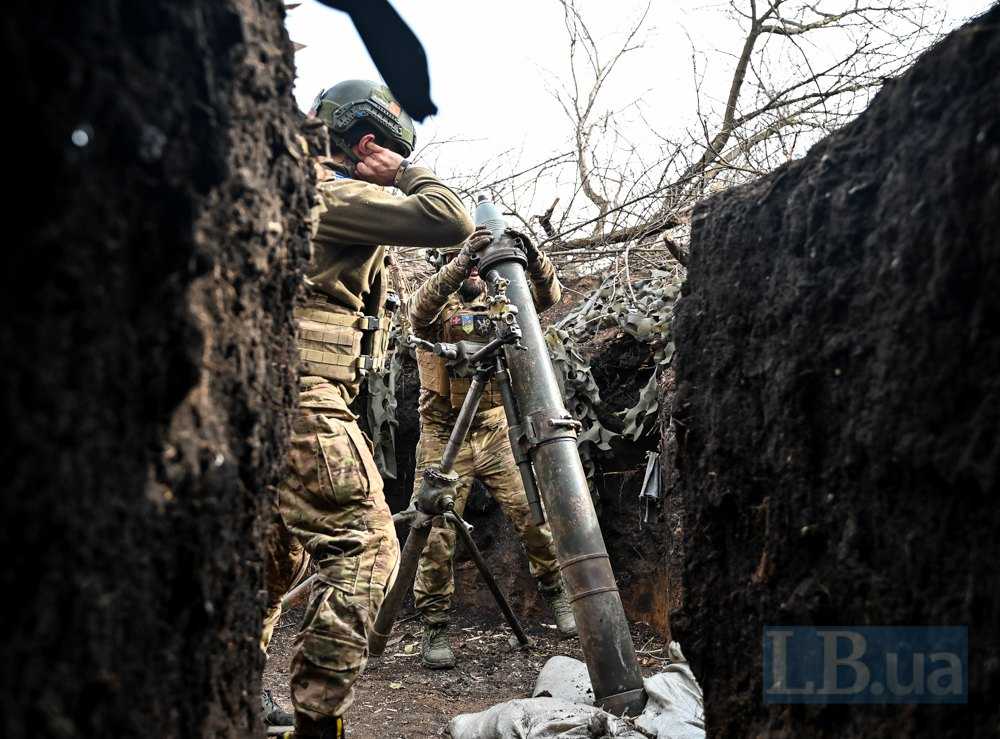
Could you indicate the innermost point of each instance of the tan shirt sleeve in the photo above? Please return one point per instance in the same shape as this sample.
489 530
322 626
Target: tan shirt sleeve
357 212
431 297
545 287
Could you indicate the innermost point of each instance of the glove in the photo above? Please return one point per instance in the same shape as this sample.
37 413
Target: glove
524 241
479 240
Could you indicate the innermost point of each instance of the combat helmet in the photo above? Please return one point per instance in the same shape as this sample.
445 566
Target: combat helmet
362 105
439 256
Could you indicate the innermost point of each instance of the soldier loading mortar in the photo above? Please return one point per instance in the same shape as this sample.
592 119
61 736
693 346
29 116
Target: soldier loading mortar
544 448
468 329
438 487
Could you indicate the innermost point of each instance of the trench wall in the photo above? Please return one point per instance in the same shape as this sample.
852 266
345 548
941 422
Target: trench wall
158 234
839 399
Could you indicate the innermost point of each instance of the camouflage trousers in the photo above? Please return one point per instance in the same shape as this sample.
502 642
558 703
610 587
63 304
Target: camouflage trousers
285 566
485 456
333 504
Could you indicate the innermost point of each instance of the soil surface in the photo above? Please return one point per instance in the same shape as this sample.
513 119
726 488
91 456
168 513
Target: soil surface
147 354
396 698
838 400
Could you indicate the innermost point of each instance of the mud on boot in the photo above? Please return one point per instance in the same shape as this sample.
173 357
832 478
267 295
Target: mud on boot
562 611
435 651
274 714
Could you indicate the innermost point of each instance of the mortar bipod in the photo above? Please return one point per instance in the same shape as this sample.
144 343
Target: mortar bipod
437 498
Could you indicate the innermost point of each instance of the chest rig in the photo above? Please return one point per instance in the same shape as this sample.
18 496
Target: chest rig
341 346
458 322
344 346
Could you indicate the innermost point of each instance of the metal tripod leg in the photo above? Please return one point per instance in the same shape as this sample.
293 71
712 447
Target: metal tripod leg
420 529
409 558
470 406
455 520
420 526
521 458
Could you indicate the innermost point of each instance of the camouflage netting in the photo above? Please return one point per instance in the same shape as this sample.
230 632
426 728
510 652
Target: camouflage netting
582 396
643 311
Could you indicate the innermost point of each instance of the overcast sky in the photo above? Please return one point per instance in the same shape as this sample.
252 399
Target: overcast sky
493 64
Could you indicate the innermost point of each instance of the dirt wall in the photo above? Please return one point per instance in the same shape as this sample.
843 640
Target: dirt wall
838 399
146 342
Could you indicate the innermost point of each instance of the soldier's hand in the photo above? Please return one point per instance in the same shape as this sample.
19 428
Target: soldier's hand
478 241
378 165
530 249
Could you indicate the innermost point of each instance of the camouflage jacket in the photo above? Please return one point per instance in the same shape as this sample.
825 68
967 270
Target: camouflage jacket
360 219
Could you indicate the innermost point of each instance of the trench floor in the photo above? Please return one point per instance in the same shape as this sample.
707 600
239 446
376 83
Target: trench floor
396 698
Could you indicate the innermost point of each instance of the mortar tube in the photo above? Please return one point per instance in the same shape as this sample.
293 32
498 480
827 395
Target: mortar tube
583 558
502 379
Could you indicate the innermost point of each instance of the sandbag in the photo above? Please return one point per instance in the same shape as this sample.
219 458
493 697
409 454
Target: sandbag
540 718
674 709
565 678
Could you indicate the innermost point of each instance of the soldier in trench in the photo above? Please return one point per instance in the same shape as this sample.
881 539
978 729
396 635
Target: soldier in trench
451 307
332 502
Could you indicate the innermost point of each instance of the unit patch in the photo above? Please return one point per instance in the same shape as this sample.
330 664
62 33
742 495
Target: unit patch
471 324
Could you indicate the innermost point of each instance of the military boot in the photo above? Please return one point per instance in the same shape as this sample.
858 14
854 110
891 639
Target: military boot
274 714
328 728
435 652
562 611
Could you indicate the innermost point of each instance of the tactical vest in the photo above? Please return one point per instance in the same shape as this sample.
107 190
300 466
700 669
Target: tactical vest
458 323
340 345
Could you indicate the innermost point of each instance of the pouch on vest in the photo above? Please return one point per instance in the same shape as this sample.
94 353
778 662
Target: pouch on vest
459 388
374 344
433 373
456 325
331 344
379 303
435 376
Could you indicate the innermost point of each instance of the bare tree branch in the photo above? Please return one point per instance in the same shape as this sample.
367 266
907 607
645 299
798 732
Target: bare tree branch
802 69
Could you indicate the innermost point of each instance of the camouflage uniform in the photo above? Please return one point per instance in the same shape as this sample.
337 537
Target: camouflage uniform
437 314
285 565
332 501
